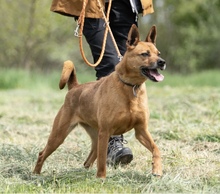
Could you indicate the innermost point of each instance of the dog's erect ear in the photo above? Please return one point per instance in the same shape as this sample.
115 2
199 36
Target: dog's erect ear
133 36
152 35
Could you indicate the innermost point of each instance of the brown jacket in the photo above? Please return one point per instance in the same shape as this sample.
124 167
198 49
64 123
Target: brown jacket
74 7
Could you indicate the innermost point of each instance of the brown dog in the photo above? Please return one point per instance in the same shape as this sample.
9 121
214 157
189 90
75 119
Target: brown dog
112 105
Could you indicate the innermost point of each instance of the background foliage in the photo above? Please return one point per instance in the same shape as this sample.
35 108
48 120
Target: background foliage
34 37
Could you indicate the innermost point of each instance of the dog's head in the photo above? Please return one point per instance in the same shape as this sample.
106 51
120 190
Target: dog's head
142 57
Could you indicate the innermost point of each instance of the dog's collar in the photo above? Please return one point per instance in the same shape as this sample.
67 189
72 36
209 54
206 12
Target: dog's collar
134 87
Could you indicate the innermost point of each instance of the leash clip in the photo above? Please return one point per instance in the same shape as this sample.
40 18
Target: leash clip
120 57
76 33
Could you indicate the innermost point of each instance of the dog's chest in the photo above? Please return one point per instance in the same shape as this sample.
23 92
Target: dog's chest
135 112
130 116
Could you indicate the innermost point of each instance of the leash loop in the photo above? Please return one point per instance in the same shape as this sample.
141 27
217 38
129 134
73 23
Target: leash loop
80 26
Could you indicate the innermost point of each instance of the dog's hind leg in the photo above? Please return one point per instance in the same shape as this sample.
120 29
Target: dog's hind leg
60 130
93 133
144 136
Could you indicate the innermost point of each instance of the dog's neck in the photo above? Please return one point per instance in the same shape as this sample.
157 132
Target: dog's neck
134 87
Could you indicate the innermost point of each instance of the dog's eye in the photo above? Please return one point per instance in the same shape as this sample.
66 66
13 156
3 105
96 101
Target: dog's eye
158 54
146 54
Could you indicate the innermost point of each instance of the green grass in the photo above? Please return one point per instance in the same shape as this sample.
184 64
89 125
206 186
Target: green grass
17 78
185 115
203 78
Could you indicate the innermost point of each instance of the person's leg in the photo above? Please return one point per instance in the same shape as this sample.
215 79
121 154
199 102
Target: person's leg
93 31
121 19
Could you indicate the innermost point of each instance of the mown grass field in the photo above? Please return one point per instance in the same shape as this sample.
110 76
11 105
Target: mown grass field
185 123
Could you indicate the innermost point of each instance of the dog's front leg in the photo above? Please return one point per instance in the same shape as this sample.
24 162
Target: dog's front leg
103 138
144 136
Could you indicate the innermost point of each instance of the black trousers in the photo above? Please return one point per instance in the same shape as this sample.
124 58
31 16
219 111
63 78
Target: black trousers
121 18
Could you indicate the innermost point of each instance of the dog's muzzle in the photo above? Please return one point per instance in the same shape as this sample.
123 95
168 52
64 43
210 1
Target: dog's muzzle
152 71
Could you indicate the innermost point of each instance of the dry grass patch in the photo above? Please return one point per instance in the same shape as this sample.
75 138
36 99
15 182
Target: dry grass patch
184 122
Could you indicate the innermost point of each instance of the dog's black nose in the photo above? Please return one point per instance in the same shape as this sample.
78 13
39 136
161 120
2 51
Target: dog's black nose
161 63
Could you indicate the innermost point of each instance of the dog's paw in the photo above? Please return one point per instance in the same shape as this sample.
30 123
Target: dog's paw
157 175
101 179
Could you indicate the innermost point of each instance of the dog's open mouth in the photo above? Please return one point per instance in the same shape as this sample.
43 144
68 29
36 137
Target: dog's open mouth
152 74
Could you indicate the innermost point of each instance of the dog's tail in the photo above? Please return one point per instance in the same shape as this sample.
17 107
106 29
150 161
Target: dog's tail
68 75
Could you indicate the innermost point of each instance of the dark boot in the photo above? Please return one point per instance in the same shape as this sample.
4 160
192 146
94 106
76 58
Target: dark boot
117 154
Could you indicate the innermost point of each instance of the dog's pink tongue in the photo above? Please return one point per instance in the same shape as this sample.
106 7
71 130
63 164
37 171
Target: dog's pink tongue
159 77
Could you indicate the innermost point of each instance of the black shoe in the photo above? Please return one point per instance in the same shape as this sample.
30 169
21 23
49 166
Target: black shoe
117 154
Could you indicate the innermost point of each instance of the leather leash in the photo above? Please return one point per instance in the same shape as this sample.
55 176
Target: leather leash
80 25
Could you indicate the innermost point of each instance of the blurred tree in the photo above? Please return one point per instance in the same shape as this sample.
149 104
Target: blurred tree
191 33
34 37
